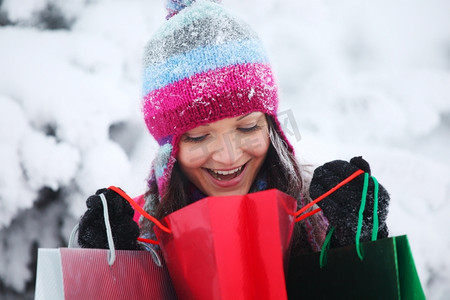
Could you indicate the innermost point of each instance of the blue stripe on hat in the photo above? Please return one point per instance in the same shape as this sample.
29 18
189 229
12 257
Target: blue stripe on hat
200 60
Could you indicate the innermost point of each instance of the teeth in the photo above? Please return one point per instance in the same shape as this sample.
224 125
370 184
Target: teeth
227 172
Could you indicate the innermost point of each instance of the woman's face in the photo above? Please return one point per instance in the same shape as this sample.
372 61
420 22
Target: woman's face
224 157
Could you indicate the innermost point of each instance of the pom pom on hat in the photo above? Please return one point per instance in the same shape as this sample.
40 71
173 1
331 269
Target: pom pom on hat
175 6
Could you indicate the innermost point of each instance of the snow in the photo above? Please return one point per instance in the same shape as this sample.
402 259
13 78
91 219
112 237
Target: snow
46 162
11 137
360 78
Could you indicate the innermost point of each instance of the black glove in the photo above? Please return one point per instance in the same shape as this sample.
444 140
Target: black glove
341 208
92 230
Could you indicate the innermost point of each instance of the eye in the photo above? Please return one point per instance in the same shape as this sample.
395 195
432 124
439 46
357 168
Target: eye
249 129
194 139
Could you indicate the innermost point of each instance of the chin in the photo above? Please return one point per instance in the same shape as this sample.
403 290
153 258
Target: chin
235 192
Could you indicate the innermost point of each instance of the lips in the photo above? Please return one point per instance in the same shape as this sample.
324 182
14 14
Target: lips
226 175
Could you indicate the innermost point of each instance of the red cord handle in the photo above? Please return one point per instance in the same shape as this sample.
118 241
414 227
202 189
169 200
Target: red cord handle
300 215
148 241
139 209
320 198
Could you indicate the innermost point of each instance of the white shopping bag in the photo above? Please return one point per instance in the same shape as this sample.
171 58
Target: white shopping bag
49 279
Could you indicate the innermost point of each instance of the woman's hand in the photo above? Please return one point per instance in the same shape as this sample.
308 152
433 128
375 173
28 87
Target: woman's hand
92 230
341 208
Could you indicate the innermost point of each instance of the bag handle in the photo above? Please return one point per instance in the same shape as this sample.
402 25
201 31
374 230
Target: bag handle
139 209
359 249
112 249
300 215
143 213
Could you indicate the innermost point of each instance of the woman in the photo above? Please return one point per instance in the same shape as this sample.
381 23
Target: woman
210 100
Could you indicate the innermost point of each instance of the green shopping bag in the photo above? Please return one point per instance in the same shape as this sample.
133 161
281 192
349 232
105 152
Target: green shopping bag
387 271
380 269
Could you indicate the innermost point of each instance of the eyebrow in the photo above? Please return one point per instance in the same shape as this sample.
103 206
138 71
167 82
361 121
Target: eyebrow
240 118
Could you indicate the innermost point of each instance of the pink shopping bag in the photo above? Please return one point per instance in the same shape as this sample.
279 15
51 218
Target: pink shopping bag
74 273
78 274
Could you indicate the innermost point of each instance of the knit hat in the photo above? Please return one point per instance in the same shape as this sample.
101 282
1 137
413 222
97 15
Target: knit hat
201 66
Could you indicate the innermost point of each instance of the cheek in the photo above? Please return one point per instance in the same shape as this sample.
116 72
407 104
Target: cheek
191 156
257 145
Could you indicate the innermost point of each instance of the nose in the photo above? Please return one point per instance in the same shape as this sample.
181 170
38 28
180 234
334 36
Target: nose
225 150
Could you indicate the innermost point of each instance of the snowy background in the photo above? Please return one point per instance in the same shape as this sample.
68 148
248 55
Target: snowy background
367 78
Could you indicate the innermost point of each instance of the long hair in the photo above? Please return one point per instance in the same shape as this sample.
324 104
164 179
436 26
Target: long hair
280 170
288 176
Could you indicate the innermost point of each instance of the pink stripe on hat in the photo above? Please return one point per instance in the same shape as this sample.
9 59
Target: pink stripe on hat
210 96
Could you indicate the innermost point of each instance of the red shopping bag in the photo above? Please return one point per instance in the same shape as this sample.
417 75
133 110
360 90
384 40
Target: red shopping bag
234 247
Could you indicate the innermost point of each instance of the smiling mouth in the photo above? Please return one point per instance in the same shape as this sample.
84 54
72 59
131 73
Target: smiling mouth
226 175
